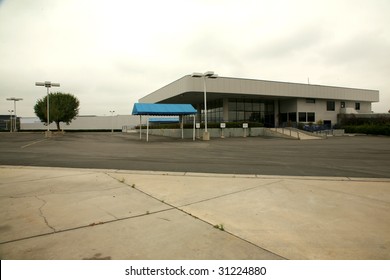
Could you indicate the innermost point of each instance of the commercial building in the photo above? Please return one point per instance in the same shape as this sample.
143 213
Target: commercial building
272 103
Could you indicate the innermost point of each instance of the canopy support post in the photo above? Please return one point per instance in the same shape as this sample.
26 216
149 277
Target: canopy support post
140 127
182 126
193 131
147 129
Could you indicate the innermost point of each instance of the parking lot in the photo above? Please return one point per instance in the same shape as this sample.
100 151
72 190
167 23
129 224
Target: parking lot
347 156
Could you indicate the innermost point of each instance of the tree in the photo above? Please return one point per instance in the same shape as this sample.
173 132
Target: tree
64 107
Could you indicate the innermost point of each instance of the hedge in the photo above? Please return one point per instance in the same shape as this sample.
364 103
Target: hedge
209 125
375 129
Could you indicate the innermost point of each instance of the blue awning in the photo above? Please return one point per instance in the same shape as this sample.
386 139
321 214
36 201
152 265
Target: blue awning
145 109
164 120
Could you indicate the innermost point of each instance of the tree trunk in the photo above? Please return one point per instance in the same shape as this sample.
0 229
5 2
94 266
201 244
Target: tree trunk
58 126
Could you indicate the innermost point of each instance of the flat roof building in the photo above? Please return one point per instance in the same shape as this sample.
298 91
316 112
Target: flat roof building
269 102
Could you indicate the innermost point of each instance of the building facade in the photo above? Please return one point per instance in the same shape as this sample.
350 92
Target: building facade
269 102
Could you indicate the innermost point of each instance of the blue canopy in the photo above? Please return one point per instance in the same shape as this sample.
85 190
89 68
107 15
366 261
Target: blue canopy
164 120
163 109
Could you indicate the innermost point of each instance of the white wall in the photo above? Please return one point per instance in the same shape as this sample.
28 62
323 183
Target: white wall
85 123
320 108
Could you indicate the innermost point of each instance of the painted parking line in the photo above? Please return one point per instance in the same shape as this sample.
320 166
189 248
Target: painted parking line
33 143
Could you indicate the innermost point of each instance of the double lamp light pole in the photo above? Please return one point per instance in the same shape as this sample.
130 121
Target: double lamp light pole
13 124
47 85
206 75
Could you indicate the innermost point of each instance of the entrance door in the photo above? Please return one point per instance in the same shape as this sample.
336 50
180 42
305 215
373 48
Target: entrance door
328 124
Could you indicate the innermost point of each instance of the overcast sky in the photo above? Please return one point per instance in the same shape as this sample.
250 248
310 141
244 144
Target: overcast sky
111 53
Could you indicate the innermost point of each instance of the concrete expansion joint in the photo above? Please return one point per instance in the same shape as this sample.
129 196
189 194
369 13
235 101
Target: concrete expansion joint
181 209
42 215
231 193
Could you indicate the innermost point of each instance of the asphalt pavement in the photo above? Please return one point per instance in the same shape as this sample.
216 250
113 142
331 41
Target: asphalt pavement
348 156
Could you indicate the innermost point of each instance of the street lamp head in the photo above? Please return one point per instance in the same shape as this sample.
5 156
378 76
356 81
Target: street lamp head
14 99
47 84
197 75
209 74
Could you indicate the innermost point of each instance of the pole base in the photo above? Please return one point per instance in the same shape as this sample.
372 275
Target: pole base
206 136
48 134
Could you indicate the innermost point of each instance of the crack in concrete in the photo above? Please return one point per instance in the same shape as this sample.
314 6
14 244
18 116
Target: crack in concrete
108 213
171 207
85 226
179 208
231 193
59 192
46 178
42 215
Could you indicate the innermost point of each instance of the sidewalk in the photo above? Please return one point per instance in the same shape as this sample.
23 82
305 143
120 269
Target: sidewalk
62 213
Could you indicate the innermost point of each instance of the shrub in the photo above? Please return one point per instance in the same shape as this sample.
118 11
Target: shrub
375 129
209 125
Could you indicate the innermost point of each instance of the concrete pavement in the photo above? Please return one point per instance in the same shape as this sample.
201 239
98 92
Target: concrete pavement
65 213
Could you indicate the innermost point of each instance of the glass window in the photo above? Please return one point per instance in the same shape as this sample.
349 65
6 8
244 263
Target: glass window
240 115
232 116
248 110
256 106
255 117
248 116
342 105
310 100
357 106
240 105
292 117
283 117
302 116
269 107
311 117
262 107
330 106
232 105
248 105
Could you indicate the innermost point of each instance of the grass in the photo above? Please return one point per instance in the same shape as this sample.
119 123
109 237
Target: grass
220 227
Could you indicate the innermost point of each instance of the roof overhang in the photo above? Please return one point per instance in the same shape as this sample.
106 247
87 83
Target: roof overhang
148 109
245 88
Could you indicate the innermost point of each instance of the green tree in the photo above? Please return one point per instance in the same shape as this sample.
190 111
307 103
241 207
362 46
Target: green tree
64 107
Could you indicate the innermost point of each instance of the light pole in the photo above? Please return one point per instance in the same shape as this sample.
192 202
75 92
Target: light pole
210 75
112 121
14 99
10 119
47 85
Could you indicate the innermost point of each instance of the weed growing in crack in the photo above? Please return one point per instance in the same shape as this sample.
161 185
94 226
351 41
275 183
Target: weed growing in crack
220 227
